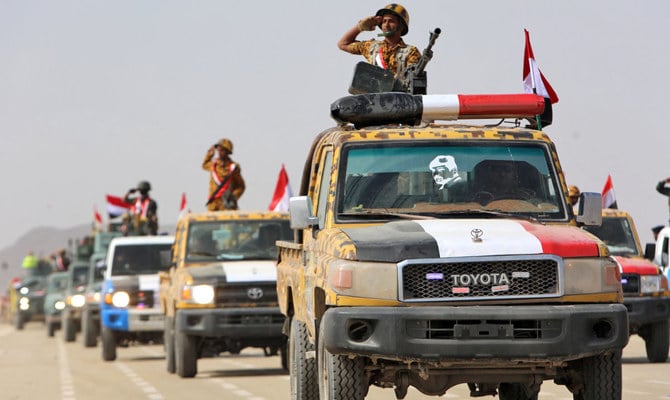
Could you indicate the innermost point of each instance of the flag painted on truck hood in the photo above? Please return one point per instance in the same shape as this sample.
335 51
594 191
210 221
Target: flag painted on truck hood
400 240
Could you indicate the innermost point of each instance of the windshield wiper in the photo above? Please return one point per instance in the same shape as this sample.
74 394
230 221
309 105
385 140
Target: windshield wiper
382 213
494 213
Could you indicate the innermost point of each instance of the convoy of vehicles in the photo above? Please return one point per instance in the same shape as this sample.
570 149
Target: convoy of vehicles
418 253
645 288
129 310
220 293
481 273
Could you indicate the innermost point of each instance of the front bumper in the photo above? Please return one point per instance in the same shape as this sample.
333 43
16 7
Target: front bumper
245 323
471 333
646 310
133 320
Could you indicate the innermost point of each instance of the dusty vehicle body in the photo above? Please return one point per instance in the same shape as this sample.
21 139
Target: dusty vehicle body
645 288
411 267
220 294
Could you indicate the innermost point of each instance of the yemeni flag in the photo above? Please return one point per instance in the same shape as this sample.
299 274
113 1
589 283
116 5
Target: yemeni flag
534 82
609 199
96 216
282 193
182 205
116 206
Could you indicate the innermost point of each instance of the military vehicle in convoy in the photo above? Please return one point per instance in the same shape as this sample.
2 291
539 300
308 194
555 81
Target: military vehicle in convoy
220 292
431 254
645 288
90 312
74 299
129 310
26 296
54 301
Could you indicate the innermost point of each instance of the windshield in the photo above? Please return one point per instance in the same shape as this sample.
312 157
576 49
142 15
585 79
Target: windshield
141 259
79 276
236 240
427 178
617 233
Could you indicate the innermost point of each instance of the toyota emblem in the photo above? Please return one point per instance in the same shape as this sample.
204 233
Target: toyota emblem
476 235
255 293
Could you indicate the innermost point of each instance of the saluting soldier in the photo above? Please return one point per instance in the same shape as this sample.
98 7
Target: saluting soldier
392 53
226 184
144 211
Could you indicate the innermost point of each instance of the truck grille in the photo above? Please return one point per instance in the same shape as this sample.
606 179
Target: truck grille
475 278
261 294
445 329
142 298
630 283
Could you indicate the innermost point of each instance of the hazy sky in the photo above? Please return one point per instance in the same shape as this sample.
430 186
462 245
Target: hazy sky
97 95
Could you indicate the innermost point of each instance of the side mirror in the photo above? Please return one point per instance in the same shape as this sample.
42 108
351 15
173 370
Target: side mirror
590 209
300 211
650 251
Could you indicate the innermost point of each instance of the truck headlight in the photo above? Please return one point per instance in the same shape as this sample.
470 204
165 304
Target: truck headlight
198 294
120 299
591 276
650 283
60 305
78 300
24 303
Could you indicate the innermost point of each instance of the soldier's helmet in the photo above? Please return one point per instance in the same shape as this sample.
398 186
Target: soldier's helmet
144 186
226 144
400 12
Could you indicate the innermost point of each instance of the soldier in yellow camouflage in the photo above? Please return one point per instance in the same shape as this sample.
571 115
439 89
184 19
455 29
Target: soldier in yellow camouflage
392 53
226 184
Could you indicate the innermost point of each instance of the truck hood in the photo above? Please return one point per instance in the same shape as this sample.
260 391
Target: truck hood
400 240
636 265
236 271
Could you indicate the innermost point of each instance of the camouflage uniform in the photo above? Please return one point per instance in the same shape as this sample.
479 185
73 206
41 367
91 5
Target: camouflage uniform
369 49
227 201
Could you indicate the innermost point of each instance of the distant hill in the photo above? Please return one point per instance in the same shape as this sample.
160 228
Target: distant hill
42 241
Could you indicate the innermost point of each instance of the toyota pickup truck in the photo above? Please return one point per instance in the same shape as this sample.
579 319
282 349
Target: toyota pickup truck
220 293
431 254
129 311
645 288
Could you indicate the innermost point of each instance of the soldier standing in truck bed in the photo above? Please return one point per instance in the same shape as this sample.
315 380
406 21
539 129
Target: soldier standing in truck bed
391 53
226 184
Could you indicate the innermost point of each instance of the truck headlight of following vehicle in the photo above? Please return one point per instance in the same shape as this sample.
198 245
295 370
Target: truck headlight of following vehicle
59 305
78 300
24 303
120 299
650 283
198 294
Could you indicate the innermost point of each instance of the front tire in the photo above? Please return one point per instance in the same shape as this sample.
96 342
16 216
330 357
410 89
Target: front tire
90 336
168 339
340 377
186 358
108 344
69 333
304 384
657 342
602 377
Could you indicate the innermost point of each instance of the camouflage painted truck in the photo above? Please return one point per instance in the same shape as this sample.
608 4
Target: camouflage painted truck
220 294
433 254
645 288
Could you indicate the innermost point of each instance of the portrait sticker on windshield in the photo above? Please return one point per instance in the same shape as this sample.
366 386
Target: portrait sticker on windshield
444 170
